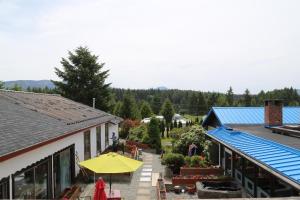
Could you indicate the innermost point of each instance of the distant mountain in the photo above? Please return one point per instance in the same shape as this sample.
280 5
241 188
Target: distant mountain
162 88
29 83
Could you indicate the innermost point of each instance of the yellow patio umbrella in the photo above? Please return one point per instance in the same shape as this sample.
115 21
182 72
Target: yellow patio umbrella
111 163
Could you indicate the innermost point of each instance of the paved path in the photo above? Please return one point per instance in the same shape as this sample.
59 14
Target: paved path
139 185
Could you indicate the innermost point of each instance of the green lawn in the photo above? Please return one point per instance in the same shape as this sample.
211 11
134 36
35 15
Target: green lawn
193 117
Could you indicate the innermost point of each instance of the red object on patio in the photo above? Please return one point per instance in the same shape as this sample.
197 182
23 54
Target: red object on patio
114 195
99 190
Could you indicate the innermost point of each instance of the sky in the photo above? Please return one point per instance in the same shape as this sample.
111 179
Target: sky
205 45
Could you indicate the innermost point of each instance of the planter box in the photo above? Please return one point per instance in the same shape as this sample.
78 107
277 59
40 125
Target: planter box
161 190
185 171
191 180
138 144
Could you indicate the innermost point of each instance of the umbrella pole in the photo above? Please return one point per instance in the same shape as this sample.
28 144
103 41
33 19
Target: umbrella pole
109 183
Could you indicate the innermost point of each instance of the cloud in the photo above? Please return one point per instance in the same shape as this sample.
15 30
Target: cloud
203 45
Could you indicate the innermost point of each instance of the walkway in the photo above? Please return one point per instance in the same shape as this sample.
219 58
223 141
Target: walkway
139 186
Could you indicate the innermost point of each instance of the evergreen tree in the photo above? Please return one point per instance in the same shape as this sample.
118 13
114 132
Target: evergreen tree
179 124
16 87
202 104
193 104
229 97
156 104
1 85
168 112
171 127
83 79
117 108
146 110
154 134
128 109
247 98
175 124
162 128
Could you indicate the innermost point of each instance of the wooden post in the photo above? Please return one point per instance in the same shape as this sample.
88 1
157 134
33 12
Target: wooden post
255 180
243 170
272 184
232 164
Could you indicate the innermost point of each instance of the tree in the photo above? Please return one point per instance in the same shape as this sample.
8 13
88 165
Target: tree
247 98
193 104
117 108
129 109
154 134
156 104
202 104
229 96
162 128
1 85
180 124
175 124
168 112
16 87
83 79
146 110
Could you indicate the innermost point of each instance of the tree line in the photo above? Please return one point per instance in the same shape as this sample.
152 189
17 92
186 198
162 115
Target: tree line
83 78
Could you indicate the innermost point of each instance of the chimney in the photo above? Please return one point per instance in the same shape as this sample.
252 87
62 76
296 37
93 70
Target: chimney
273 113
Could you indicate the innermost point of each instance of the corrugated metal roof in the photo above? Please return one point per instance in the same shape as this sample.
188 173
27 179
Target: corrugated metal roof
280 158
253 115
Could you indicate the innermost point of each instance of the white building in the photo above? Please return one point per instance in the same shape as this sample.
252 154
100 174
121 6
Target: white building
40 136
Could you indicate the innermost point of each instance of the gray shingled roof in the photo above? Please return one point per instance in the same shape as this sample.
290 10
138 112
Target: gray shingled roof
27 119
266 133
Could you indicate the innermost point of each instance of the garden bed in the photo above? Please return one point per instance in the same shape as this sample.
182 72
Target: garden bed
192 179
138 144
184 171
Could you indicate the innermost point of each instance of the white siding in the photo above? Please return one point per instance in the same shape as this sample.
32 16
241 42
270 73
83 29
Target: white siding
93 143
15 164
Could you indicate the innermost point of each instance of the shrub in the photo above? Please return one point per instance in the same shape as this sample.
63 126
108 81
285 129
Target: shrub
127 124
195 161
138 132
187 161
194 135
177 132
154 134
174 161
146 139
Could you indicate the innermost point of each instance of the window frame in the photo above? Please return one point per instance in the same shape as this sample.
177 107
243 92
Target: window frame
87 154
98 140
106 135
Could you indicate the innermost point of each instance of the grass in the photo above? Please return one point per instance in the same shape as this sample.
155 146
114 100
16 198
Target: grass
193 117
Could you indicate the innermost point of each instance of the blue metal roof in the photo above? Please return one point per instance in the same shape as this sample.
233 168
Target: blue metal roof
280 158
252 115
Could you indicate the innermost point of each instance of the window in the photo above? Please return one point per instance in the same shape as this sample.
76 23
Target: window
87 145
106 135
63 170
32 183
98 138
24 185
4 189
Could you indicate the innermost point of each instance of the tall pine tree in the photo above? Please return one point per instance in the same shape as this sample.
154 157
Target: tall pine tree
1 85
83 79
247 98
146 110
229 97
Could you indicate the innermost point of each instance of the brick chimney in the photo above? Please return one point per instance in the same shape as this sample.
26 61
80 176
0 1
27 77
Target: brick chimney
273 113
